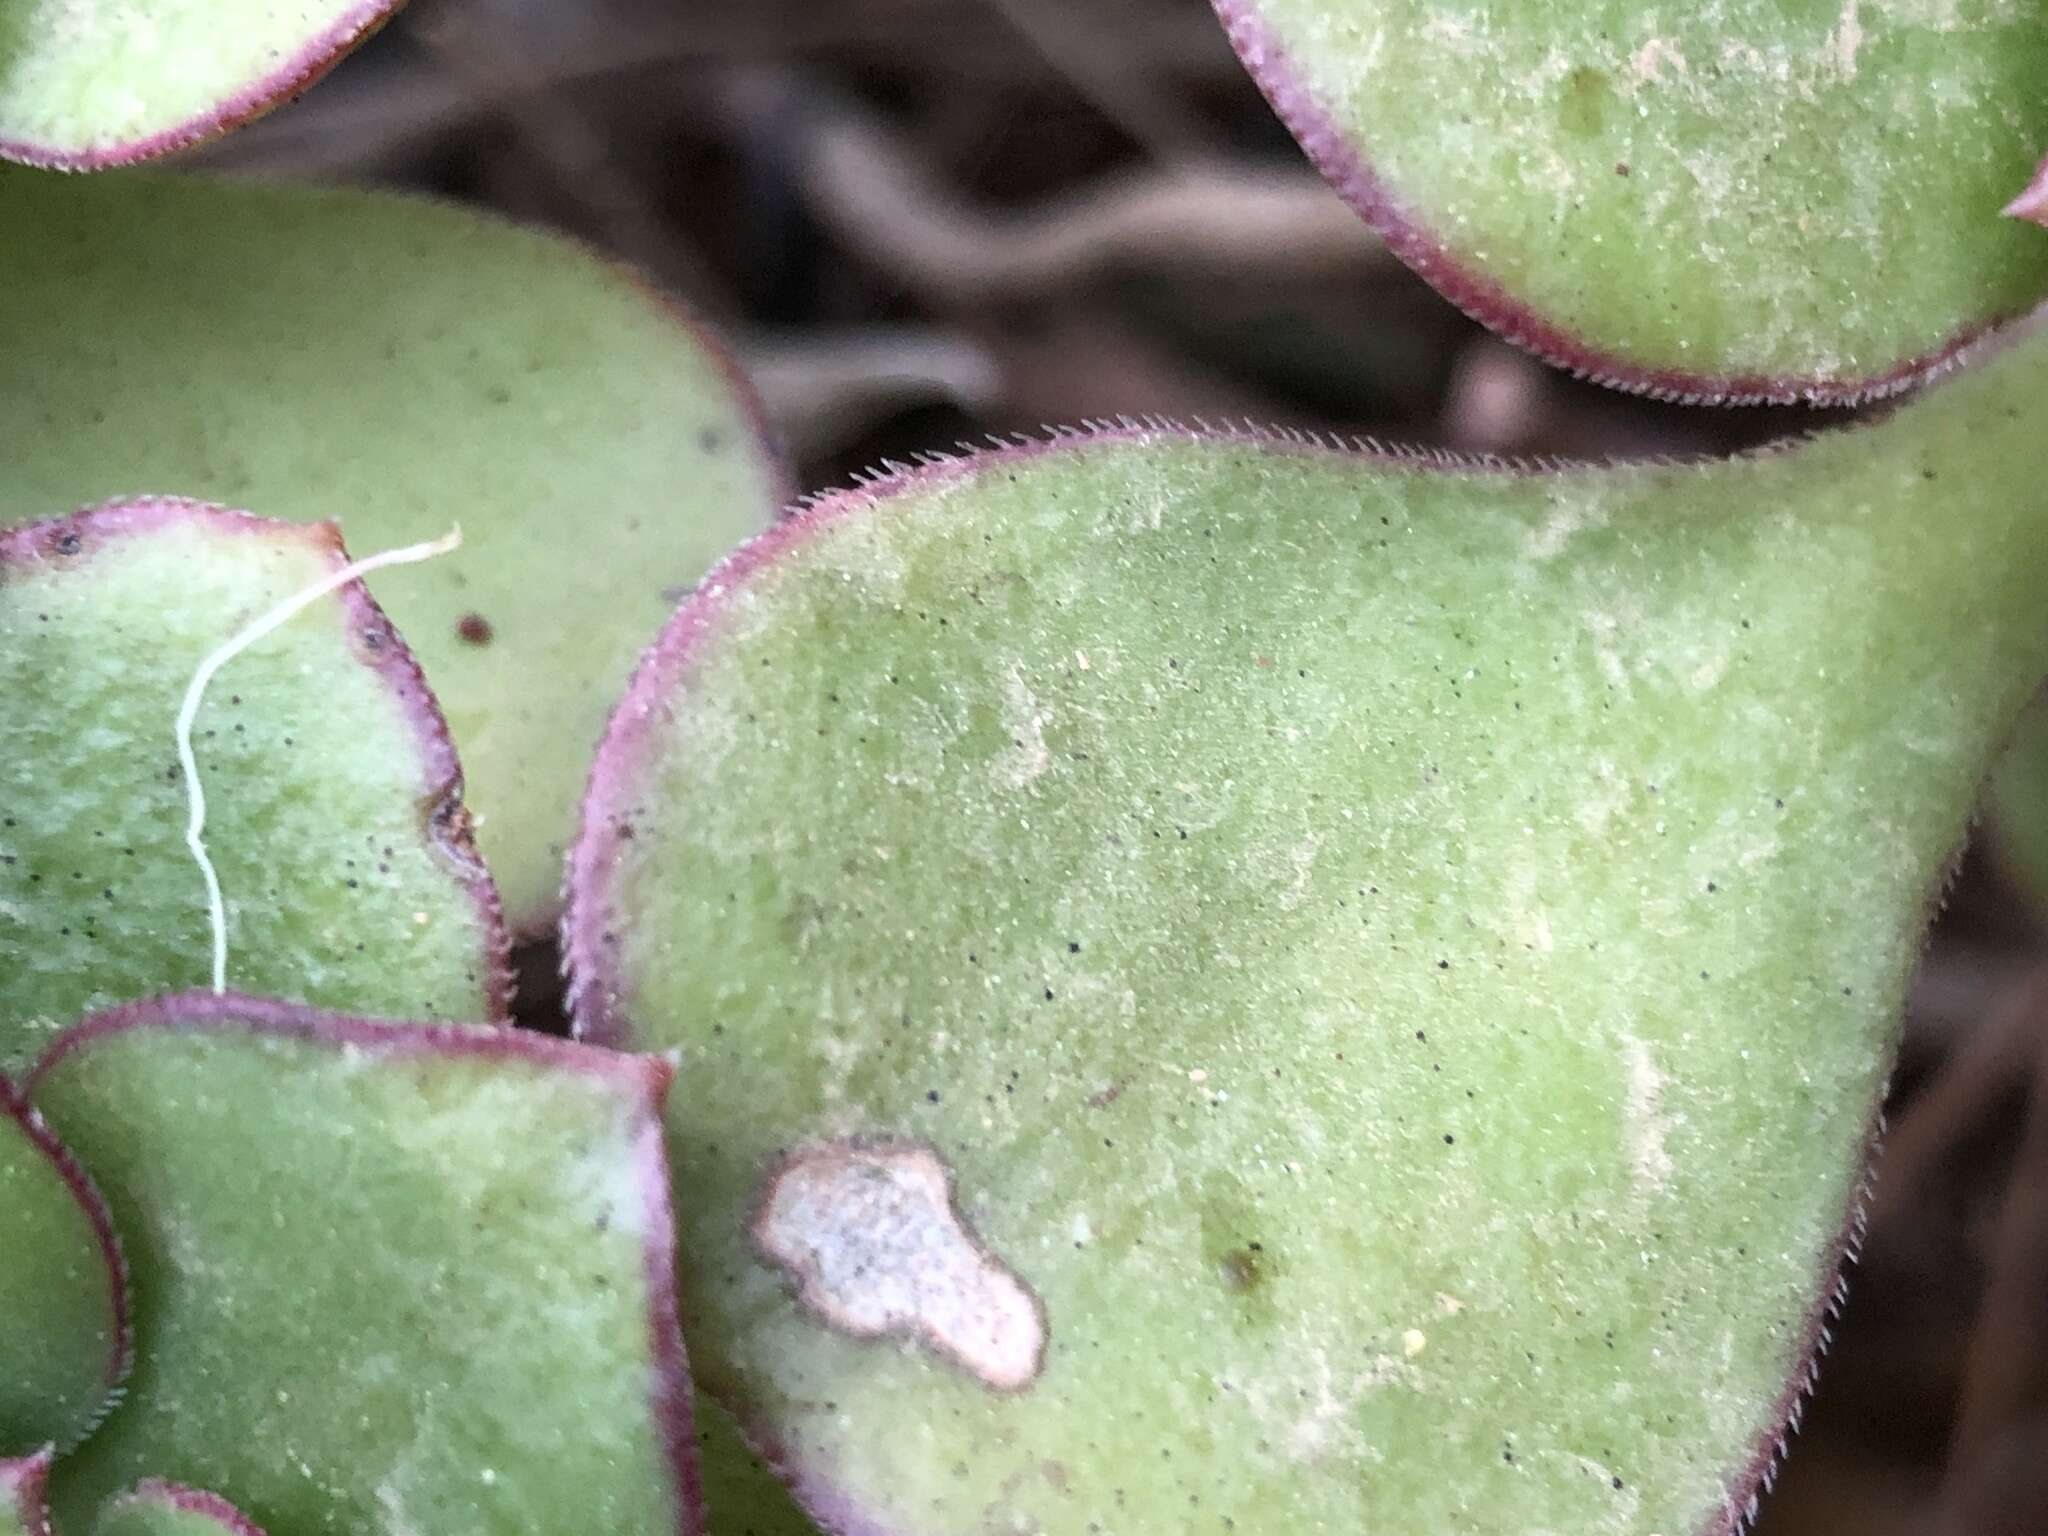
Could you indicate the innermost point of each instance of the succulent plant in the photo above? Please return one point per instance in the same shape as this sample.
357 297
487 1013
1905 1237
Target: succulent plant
1294 960
450 1308
598 452
1749 200
158 1508
1212 980
96 83
336 812
64 1341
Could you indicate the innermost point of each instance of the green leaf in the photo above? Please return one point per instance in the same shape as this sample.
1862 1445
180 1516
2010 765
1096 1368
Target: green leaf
21 1495
1689 200
334 801
741 1496
88 84
1314 989
447 1307
157 1508
2017 799
394 366
63 1305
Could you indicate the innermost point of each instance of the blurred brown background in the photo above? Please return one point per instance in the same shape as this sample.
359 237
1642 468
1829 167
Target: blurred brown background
920 222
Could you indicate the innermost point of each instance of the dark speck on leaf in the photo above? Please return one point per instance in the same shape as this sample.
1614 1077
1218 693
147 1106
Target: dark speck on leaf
474 628
1240 1268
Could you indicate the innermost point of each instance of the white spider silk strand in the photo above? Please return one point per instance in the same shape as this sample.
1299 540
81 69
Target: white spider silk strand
195 691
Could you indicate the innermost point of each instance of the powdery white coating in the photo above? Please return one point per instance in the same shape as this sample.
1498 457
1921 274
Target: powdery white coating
1649 1159
869 1235
1026 723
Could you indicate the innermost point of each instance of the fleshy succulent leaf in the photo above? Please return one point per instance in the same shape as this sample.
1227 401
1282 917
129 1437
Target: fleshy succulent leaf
1688 200
2017 802
63 1301
335 810
451 1306
741 1495
158 1508
22 1481
394 365
1339 993
86 84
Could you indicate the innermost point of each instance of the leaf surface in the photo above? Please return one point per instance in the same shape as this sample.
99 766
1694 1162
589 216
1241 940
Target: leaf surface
63 1304
86 84
395 366
1326 992
448 1308
335 812
1753 199
157 1508
741 1495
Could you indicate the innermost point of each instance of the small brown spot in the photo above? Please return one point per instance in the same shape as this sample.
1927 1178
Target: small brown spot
1621 168
868 1234
451 830
1241 1270
474 628
1107 1096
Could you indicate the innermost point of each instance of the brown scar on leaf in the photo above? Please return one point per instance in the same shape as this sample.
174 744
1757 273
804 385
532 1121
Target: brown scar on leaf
871 1238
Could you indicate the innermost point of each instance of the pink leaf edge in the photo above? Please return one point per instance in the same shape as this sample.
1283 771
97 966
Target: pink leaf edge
1345 166
188 1501
2032 203
641 1081
291 77
120 1326
379 646
23 1480
592 923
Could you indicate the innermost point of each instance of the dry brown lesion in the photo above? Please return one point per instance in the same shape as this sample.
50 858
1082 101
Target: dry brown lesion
869 1235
